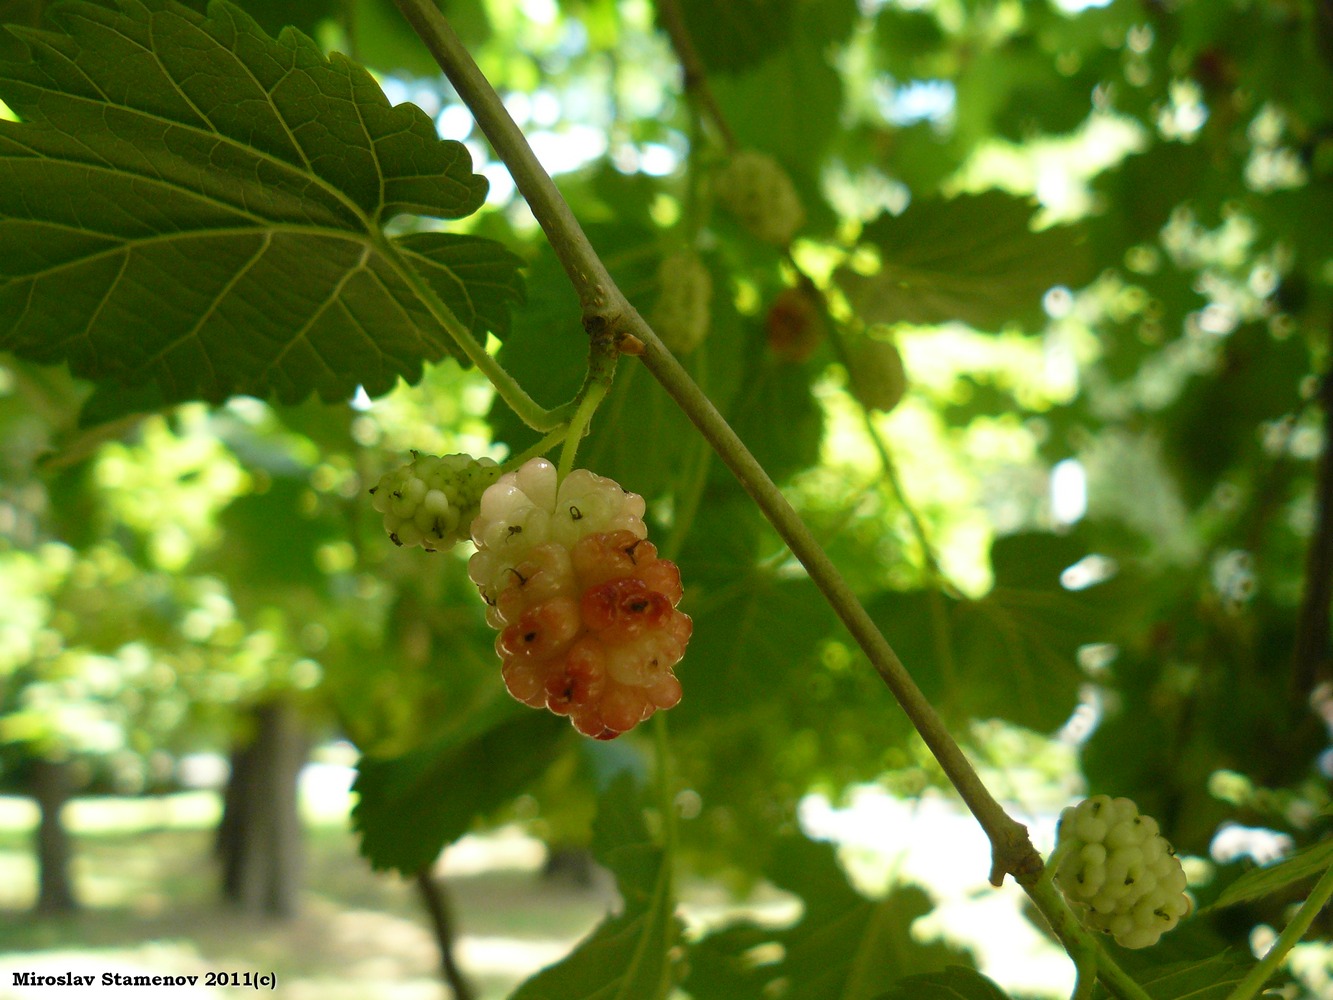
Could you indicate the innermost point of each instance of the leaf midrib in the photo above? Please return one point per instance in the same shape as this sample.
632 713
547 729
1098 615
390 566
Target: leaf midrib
369 247
334 298
128 244
159 181
661 889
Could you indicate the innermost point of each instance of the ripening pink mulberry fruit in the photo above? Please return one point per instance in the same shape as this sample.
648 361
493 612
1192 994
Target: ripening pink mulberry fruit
587 613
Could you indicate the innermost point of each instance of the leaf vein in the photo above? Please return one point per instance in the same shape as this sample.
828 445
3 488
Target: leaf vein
208 313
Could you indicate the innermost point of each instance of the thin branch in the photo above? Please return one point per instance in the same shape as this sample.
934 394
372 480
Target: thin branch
694 76
528 409
1012 851
436 901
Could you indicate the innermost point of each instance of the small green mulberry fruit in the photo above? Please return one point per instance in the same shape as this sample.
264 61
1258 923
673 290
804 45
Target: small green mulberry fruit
682 314
759 193
433 499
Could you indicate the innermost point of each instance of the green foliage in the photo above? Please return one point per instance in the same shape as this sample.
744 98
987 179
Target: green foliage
274 15
787 104
954 983
232 192
196 205
1302 866
25 12
1011 654
628 955
735 34
411 807
844 945
753 620
1207 979
973 258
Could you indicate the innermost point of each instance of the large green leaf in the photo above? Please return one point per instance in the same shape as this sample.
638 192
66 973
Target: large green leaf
411 807
193 208
1011 654
1207 979
973 258
845 946
1258 882
628 956
750 637
954 983
27 12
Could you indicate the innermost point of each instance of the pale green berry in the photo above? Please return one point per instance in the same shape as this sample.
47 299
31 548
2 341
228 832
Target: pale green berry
759 193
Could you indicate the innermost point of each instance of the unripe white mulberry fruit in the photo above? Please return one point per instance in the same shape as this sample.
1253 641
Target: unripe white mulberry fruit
683 311
528 507
759 193
1118 873
432 500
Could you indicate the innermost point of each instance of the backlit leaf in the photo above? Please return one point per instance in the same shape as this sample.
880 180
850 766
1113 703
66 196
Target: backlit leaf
973 258
411 807
954 983
191 205
1259 882
844 946
1209 979
626 957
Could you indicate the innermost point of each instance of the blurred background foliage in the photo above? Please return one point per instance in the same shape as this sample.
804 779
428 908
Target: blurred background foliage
1100 239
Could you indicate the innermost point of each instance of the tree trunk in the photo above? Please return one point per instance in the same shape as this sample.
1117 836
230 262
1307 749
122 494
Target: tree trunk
259 837
52 785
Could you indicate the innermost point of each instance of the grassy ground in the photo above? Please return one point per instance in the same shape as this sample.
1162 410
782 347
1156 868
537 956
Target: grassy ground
149 889
145 875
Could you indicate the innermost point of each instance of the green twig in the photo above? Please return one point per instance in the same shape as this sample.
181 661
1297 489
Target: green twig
528 409
695 78
1272 960
548 442
1090 959
602 358
578 425
436 901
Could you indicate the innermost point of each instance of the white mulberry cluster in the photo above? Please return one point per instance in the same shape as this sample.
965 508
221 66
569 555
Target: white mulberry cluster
683 311
587 612
1118 872
759 193
432 500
